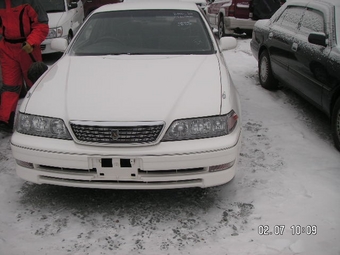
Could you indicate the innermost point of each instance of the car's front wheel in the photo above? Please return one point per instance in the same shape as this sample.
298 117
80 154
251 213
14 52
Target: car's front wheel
221 31
336 124
266 76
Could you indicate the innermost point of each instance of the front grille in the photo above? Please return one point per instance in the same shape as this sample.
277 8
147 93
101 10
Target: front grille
42 46
117 134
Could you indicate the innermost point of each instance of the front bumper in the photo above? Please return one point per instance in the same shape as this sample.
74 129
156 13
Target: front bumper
254 47
166 165
232 23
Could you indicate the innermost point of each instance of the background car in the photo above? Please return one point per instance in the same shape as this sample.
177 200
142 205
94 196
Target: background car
264 9
65 18
237 16
91 5
200 3
299 47
141 99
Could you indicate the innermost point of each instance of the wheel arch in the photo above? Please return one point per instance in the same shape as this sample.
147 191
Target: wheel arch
327 78
220 16
221 12
70 35
335 97
70 32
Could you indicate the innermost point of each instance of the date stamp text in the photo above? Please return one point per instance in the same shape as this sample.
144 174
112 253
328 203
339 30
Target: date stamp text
278 230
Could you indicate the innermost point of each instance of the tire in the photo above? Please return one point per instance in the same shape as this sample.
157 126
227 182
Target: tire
336 124
221 31
249 33
266 76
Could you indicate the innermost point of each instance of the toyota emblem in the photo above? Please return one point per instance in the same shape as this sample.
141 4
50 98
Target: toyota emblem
115 134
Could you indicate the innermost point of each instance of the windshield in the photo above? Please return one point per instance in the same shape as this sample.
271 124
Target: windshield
53 5
143 32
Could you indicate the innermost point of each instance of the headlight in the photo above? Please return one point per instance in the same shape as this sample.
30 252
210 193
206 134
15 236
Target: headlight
55 32
42 126
197 128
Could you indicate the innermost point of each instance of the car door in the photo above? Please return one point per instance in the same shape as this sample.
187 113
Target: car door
280 40
308 65
240 10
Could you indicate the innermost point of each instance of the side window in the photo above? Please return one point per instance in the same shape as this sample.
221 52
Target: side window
291 17
312 21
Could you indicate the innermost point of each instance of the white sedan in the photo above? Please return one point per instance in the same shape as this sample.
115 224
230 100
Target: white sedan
64 19
141 99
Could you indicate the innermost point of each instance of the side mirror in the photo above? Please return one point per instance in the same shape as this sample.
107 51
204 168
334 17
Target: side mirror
73 5
318 39
228 43
59 44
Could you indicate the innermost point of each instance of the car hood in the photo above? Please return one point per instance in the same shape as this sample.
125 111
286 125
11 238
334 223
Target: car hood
129 88
54 19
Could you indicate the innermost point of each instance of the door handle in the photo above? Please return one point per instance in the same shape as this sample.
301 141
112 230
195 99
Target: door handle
294 47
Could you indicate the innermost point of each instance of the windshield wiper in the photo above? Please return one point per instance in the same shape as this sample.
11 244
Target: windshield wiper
50 11
126 53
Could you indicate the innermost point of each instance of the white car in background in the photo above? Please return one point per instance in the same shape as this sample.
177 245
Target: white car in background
141 99
65 18
200 3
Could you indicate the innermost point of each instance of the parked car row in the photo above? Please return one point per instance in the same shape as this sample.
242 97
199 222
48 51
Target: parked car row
228 16
299 47
239 16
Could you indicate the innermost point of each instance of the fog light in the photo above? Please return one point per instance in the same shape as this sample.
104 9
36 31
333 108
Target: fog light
24 164
221 167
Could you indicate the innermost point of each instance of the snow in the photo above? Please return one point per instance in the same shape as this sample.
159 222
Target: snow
288 176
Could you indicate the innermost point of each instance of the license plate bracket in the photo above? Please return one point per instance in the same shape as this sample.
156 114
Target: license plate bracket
116 168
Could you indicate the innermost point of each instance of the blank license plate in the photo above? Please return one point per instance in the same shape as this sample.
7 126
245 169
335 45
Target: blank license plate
116 168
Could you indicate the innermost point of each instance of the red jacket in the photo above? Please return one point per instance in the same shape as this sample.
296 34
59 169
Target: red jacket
23 20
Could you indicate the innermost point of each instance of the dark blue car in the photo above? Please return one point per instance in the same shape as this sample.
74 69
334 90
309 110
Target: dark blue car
299 47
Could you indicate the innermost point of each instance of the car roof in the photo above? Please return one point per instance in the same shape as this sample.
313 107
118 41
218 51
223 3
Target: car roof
333 2
149 5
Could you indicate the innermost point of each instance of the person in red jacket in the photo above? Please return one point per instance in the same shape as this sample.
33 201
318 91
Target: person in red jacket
24 26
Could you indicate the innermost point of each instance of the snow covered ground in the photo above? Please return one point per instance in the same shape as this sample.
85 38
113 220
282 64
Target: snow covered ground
285 198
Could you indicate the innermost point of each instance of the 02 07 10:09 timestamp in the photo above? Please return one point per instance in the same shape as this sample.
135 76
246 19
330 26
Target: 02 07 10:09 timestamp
294 229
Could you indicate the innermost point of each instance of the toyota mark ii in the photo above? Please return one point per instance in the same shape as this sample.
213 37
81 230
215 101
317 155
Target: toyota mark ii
140 99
